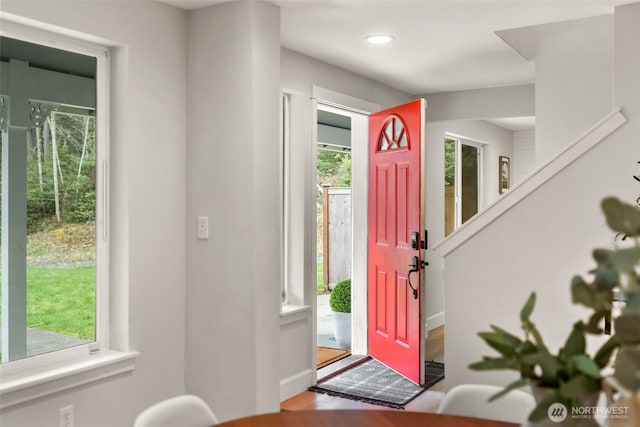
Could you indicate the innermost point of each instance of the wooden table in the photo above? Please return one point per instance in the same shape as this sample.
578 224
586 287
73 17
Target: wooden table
360 418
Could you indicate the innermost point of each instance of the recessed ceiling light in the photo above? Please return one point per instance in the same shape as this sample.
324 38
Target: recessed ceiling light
379 39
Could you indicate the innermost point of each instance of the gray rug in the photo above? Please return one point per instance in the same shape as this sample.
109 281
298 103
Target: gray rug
371 382
433 372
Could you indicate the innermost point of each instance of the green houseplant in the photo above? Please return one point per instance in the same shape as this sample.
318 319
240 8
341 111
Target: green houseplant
572 376
340 303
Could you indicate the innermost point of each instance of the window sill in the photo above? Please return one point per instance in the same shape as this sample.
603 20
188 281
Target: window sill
290 313
26 385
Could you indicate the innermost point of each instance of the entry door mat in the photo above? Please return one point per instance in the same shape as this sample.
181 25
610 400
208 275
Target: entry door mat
433 373
328 355
371 382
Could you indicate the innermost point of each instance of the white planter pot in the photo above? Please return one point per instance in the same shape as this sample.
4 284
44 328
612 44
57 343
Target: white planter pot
342 329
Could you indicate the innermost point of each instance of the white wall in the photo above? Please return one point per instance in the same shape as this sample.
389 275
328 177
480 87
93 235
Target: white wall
300 73
563 225
574 79
148 181
497 102
233 177
524 154
498 142
626 93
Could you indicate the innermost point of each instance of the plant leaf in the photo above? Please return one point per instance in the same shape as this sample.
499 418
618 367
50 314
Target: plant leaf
581 292
593 326
508 337
627 368
527 309
514 385
602 256
603 301
499 343
547 363
605 352
621 217
632 305
497 363
537 337
625 259
606 278
577 387
587 366
628 328
576 343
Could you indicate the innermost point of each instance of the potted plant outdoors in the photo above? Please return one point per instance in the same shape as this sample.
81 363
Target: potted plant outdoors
340 303
572 377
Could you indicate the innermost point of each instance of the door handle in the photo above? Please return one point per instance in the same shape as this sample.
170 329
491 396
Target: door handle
415 266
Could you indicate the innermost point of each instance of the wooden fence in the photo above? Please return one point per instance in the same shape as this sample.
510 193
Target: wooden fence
336 242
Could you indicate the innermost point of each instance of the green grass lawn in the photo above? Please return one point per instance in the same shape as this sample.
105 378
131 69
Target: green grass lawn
62 300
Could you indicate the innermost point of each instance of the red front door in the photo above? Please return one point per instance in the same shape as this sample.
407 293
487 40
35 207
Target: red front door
394 329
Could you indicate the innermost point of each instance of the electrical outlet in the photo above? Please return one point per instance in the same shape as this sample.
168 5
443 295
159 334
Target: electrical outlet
203 228
66 416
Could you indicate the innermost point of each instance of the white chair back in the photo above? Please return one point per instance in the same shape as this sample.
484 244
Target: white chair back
183 411
472 400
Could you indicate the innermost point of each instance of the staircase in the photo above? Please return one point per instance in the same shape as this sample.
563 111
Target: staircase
535 237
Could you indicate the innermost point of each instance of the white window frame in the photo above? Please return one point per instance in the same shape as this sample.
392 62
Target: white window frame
34 377
297 245
285 138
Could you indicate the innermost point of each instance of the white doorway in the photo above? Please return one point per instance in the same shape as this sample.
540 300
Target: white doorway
357 111
333 222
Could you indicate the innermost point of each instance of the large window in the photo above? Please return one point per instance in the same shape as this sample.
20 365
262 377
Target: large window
53 178
463 181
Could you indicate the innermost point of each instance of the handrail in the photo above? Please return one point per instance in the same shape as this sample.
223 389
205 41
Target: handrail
536 178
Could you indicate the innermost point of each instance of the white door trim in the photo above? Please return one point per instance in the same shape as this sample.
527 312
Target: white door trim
358 110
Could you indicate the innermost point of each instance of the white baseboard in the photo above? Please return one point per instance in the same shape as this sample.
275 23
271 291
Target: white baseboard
435 321
295 384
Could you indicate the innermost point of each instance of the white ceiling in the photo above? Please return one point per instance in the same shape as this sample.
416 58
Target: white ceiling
439 46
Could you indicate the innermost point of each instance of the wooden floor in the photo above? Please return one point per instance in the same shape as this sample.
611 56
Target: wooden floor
425 402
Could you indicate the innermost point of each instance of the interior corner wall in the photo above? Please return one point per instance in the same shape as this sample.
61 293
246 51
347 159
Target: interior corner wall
497 142
627 72
301 73
233 178
574 81
147 182
524 154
